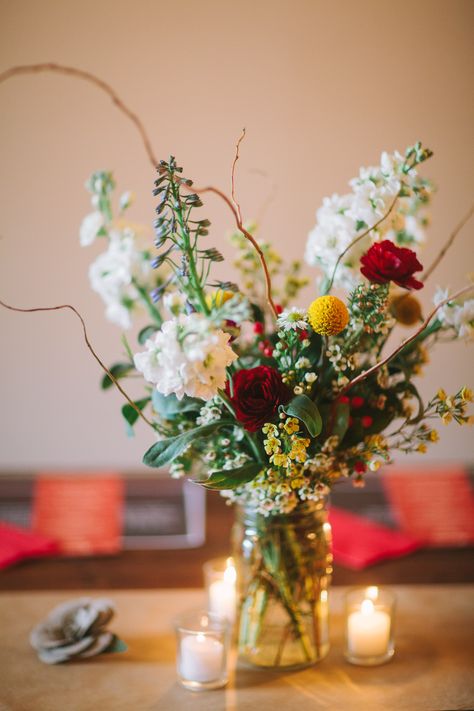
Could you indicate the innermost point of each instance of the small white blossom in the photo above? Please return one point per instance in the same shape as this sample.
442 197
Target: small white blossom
187 356
90 226
292 319
459 316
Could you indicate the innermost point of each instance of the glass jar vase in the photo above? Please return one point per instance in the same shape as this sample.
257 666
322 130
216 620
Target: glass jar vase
284 566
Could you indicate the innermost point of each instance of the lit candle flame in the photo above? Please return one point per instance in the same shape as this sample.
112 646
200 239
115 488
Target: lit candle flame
372 592
367 607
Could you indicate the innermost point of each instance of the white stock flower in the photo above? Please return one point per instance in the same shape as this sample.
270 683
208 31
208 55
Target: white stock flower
342 218
90 226
186 357
460 316
292 319
111 275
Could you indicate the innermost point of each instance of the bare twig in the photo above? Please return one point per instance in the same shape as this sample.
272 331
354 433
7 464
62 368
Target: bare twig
236 158
87 76
81 74
384 361
448 244
357 239
89 345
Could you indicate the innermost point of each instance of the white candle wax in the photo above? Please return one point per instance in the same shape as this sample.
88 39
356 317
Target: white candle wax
223 595
201 658
368 631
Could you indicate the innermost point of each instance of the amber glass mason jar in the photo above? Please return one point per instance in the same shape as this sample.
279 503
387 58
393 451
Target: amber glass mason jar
284 566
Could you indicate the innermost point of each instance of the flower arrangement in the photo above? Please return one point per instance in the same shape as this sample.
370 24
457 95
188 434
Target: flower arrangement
268 402
273 404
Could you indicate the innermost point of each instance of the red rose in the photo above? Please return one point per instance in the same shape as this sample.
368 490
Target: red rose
386 262
257 394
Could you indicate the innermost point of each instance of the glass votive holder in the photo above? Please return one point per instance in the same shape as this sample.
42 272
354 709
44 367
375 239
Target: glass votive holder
369 623
203 643
220 579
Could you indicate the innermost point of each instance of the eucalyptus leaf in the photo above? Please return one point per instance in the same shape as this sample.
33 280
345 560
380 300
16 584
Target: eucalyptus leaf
232 478
304 409
336 418
168 406
117 645
166 450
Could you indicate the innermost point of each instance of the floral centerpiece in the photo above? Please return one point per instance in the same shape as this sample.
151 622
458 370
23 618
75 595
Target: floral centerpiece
270 403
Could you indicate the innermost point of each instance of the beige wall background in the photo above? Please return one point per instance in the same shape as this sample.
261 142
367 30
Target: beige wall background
322 88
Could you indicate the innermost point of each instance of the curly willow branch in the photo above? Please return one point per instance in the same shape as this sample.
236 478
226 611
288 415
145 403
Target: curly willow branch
89 345
448 244
408 340
93 79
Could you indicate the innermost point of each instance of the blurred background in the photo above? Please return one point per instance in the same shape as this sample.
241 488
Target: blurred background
321 87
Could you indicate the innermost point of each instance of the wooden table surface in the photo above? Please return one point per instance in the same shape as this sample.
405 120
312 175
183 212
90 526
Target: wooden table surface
431 670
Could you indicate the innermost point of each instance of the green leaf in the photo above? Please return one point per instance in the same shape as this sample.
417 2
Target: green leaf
307 411
168 406
146 333
336 418
232 478
131 415
116 645
166 450
118 370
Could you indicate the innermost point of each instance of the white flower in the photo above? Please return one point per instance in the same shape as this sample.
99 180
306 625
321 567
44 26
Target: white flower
292 319
126 199
459 316
344 217
90 226
111 275
187 357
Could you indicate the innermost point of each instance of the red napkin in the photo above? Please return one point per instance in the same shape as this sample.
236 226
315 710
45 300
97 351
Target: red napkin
17 544
436 505
83 512
358 542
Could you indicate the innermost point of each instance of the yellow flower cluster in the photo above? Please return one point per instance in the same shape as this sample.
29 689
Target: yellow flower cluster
454 406
328 315
284 446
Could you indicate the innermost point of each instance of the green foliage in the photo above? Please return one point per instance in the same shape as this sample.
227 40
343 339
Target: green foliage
166 450
169 407
304 409
131 415
232 478
118 370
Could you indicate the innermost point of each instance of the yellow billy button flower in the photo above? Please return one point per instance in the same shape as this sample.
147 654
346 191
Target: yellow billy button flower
328 315
405 308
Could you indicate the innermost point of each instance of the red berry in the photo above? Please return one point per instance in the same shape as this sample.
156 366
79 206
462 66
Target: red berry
303 334
258 327
350 421
344 400
366 421
357 401
360 467
268 352
278 309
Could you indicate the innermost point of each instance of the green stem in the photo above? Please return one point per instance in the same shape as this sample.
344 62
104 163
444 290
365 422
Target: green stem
151 308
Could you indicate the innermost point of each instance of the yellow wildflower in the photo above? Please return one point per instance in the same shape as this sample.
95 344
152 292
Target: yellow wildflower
269 428
422 448
280 460
447 418
467 395
434 436
217 298
291 425
328 315
441 394
297 482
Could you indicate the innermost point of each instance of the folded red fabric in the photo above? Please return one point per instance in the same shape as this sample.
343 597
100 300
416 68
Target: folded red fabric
359 542
17 544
